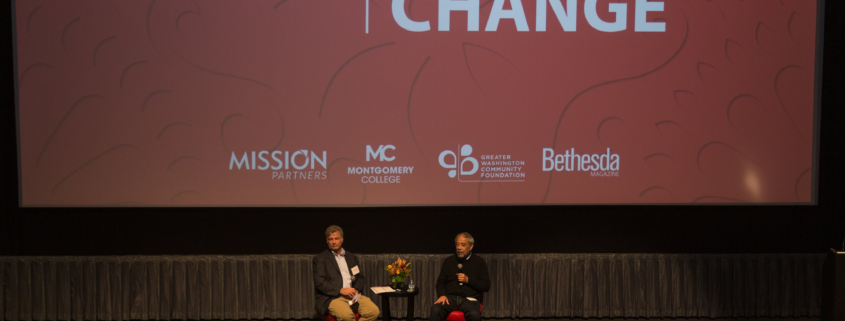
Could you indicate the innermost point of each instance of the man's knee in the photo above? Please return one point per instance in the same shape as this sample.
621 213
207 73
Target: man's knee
436 313
472 316
341 311
437 309
369 313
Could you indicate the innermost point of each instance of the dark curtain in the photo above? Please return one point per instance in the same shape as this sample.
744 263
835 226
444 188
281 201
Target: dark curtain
523 286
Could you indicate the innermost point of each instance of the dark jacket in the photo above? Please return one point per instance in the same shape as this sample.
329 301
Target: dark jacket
328 281
475 269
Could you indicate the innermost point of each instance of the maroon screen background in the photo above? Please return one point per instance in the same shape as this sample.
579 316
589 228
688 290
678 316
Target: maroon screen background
143 102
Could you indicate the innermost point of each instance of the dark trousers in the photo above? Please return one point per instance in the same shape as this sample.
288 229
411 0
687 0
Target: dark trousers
471 309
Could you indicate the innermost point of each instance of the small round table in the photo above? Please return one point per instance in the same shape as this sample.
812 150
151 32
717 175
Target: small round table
385 303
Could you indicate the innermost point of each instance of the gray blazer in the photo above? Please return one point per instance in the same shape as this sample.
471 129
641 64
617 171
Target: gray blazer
328 281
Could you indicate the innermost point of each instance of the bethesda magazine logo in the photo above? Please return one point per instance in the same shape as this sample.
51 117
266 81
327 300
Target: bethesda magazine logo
599 165
567 16
301 164
380 174
494 168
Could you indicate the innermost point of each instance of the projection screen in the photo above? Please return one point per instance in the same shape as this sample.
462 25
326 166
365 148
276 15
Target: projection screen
417 102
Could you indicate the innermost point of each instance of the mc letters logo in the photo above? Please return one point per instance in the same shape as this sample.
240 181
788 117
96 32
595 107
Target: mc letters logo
380 153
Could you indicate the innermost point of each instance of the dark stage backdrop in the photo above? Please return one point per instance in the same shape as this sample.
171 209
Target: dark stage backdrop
728 229
273 287
428 230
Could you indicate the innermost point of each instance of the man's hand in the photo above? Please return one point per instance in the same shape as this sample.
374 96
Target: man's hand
442 300
463 278
348 292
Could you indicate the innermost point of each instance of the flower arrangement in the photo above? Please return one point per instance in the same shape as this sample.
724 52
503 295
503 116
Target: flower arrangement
398 271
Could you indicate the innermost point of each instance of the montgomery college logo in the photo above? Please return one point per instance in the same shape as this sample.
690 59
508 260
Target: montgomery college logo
380 174
492 168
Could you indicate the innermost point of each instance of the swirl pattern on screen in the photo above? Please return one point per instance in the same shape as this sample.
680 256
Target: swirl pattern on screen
286 103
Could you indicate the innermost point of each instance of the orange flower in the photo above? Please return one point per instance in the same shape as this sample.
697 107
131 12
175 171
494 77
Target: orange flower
399 267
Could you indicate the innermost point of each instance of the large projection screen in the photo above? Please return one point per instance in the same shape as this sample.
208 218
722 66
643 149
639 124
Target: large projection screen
417 102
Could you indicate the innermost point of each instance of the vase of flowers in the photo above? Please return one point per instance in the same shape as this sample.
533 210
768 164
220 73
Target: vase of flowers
398 271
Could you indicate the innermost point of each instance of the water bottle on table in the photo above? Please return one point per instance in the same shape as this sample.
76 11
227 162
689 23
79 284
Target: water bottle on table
411 286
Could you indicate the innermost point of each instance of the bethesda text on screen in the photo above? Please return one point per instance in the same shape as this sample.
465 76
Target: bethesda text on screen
566 16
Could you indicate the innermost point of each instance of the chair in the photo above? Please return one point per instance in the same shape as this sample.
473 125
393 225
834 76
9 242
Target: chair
457 315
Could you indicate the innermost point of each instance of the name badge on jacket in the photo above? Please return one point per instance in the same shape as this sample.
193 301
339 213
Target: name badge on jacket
355 270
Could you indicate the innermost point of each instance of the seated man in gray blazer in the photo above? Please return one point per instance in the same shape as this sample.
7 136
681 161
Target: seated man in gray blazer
338 281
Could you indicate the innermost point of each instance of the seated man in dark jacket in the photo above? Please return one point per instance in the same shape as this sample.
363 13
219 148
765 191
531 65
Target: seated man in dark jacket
462 279
338 280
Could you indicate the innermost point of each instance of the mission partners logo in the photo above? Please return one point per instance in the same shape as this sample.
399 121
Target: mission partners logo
492 168
301 164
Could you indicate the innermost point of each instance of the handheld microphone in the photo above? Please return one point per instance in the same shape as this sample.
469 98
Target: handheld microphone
460 268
